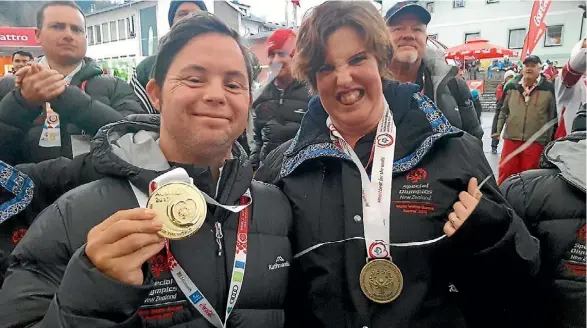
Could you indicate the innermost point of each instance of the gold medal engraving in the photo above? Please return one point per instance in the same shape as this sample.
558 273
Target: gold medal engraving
381 281
181 208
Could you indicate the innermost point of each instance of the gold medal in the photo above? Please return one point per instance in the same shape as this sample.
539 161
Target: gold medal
181 207
381 281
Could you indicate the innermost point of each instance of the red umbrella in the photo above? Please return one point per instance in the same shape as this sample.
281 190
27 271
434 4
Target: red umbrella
478 49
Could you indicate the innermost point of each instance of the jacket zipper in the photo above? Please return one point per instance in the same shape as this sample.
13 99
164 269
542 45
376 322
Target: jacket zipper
219 237
281 97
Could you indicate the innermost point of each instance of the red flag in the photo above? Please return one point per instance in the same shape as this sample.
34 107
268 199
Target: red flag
536 28
296 2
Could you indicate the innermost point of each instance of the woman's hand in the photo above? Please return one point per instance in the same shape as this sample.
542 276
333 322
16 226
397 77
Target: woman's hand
463 208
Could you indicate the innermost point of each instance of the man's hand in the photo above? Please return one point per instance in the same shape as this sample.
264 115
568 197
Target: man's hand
463 208
20 74
40 84
495 136
121 244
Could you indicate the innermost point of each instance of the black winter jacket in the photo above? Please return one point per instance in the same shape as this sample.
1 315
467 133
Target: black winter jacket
276 117
43 183
488 259
551 200
64 289
106 99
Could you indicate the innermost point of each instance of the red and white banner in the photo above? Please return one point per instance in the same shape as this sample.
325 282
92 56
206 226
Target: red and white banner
537 26
478 85
18 37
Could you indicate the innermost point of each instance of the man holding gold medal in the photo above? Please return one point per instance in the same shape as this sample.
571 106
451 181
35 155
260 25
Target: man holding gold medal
177 234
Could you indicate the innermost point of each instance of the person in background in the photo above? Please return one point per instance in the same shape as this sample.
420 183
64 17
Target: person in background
475 95
499 102
506 64
495 66
550 70
551 200
278 111
64 98
178 10
412 62
94 259
20 59
361 126
529 103
571 88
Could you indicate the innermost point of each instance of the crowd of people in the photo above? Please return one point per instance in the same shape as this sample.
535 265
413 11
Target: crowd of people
361 197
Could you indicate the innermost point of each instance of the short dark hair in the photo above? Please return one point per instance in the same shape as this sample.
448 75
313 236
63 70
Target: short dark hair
41 11
23 53
186 30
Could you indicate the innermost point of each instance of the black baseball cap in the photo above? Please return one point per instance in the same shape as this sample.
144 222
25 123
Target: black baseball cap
405 7
532 59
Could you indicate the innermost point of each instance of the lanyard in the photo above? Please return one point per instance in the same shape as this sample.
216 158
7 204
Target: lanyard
376 192
187 286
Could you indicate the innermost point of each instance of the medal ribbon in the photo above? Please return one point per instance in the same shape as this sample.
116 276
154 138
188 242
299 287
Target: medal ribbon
376 192
186 285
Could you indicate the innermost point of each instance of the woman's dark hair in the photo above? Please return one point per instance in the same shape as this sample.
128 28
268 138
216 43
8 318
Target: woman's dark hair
325 19
186 30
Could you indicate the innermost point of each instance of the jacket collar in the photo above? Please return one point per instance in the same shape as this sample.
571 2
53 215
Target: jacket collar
20 186
313 138
129 149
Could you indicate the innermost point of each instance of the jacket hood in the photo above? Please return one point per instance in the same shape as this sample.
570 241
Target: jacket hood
439 70
568 156
419 124
129 149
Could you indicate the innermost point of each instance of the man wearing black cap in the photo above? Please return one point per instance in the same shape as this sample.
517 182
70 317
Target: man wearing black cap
412 62
528 105
177 11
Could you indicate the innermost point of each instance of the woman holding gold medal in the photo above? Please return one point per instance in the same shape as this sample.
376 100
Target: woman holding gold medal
387 209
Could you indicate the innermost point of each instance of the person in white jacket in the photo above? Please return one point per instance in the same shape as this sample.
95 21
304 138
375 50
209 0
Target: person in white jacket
570 88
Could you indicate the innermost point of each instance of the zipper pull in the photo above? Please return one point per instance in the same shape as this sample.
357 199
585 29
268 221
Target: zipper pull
219 237
281 97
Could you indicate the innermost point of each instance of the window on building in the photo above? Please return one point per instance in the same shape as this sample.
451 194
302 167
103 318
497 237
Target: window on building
492 1
121 29
90 35
113 32
98 34
130 23
553 36
433 36
472 36
458 3
430 7
516 38
105 33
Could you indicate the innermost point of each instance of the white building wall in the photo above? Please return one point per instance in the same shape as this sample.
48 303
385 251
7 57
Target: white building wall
494 20
131 47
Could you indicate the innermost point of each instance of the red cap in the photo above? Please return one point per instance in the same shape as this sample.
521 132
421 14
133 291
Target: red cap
282 39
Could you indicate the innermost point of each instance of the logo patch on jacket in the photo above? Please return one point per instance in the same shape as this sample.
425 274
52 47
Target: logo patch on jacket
415 195
279 263
165 298
576 258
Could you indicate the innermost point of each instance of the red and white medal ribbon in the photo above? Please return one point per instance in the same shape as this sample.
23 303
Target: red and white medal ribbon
186 285
377 190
